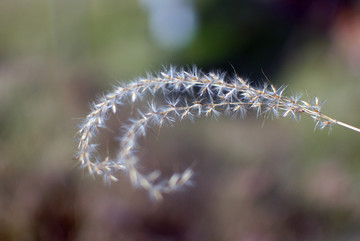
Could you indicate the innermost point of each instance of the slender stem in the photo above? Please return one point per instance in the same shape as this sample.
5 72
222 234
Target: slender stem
348 126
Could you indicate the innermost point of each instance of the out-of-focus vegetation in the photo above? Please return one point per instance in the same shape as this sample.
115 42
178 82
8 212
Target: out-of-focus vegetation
282 181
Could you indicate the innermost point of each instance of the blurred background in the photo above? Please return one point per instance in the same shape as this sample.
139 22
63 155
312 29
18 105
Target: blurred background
277 181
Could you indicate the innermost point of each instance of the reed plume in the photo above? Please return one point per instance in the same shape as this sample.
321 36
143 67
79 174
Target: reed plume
188 94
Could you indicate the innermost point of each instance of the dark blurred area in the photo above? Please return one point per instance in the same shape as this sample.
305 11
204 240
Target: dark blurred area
254 181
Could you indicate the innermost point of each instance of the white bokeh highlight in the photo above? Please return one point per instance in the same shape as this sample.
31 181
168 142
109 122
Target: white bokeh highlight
172 23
